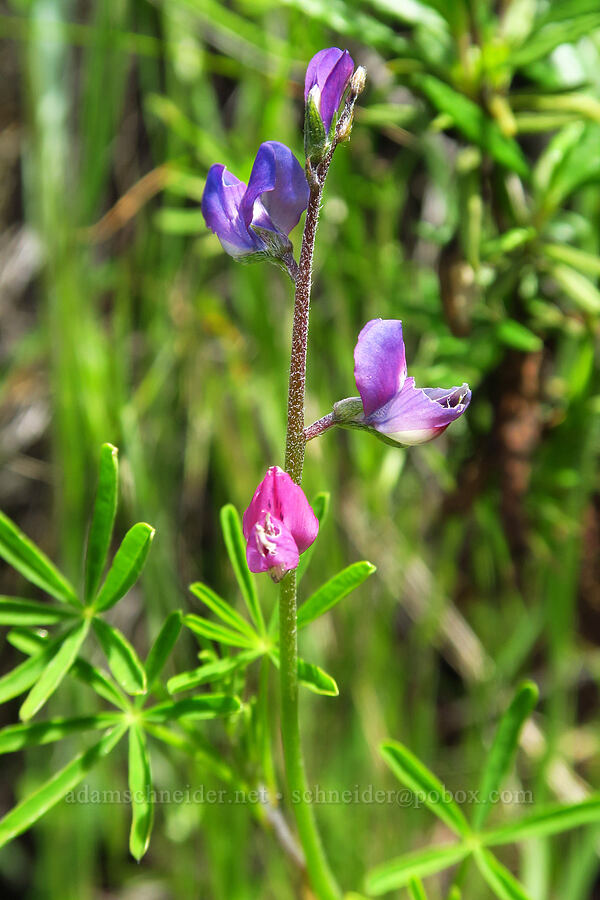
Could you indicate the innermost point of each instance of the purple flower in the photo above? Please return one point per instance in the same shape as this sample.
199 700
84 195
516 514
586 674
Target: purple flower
278 525
327 77
393 407
255 220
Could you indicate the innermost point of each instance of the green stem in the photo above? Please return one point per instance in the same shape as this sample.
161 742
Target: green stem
319 873
321 877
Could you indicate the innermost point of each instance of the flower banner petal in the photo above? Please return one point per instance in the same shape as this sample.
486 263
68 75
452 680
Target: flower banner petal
379 363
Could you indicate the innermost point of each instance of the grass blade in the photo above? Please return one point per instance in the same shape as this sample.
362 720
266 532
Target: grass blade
411 772
122 659
23 816
334 590
140 786
55 671
236 550
105 508
23 555
504 748
126 566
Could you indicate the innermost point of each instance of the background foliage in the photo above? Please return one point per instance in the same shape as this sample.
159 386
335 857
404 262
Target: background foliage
467 204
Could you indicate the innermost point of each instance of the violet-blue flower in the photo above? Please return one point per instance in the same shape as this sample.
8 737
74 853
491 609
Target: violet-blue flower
253 222
392 406
278 525
327 77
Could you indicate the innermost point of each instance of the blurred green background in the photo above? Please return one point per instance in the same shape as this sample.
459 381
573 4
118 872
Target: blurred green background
467 203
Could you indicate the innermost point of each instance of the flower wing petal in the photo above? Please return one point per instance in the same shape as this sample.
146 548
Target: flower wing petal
379 363
416 415
221 201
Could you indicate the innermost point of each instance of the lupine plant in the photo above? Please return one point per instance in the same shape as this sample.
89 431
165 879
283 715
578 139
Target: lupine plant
275 537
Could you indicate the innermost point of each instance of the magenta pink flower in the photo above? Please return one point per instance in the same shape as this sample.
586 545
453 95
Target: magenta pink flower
278 525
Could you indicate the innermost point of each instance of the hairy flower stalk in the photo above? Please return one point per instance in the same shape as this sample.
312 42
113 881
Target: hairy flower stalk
321 878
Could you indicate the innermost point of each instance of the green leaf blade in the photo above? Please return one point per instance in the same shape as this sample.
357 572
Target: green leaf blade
28 811
55 671
140 786
399 872
236 550
21 678
416 776
20 611
502 882
126 566
546 821
222 609
334 590
162 646
474 123
214 632
214 671
206 706
504 748
122 659
33 734
320 507
101 529
23 555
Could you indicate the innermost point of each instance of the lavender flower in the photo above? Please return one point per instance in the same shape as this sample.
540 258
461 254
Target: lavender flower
327 77
253 222
278 525
392 407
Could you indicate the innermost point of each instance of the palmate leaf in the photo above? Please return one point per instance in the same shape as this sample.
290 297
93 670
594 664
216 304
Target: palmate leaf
207 706
122 659
162 646
430 791
32 734
236 550
126 566
19 611
400 872
103 518
140 786
549 820
23 555
213 671
504 748
504 885
334 590
28 811
474 123
55 671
